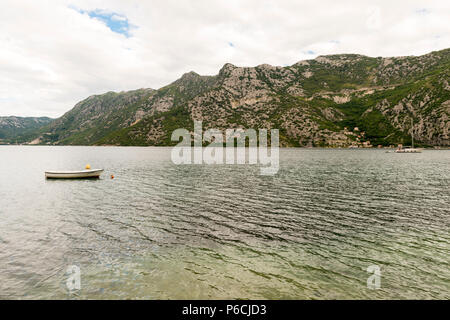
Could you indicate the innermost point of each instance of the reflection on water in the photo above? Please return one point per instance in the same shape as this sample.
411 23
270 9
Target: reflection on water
160 231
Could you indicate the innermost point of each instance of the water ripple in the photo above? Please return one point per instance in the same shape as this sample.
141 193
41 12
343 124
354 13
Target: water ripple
209 232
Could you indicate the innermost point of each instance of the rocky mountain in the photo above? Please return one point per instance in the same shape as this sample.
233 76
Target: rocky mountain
13 129
96 117
335 100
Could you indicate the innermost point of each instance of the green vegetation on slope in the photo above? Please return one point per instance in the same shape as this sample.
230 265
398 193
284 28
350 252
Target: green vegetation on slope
310 102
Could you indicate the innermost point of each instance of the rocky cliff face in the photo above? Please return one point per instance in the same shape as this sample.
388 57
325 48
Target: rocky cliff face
336 100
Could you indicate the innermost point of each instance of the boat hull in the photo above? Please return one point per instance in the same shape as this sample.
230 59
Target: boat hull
409 151
85 174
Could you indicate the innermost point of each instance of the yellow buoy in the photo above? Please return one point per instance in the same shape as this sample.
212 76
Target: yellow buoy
88 166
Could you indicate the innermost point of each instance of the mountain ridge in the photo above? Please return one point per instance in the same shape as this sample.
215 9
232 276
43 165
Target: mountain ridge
317 102
14 128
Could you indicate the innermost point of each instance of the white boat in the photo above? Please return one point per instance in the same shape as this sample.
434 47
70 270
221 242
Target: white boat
84 174
412 149
408 150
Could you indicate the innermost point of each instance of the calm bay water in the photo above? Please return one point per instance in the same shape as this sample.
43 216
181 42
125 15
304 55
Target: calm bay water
161 231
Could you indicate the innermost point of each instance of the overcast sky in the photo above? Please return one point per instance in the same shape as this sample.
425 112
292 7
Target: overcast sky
56 53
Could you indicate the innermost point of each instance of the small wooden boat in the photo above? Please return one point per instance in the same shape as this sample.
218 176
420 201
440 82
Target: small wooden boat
84 174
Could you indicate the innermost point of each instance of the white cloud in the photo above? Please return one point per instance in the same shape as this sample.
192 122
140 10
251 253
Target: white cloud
116 17
52 56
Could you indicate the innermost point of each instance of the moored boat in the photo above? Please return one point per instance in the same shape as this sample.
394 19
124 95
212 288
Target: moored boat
408 150
83 174
400 149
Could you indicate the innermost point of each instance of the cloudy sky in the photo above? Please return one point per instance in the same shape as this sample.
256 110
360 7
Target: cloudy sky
56 53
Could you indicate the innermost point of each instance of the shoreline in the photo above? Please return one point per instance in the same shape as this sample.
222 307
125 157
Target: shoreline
283 147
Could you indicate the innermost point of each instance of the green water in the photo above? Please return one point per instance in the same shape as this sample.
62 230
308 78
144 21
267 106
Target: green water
161 231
